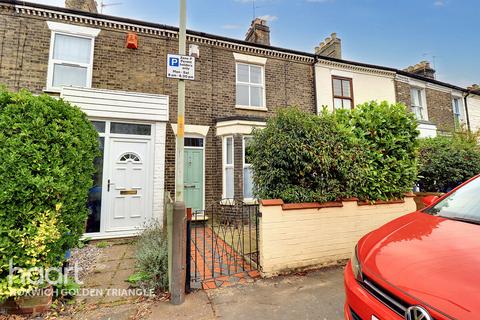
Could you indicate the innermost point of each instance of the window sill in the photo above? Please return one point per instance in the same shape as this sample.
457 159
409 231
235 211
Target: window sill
262 109
56 91
250 201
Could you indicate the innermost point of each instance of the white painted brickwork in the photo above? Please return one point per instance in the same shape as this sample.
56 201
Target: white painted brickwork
159 170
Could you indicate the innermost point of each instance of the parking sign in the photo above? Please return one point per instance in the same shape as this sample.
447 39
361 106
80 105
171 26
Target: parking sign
180 67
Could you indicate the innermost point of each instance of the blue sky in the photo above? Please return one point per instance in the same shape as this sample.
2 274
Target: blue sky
395 33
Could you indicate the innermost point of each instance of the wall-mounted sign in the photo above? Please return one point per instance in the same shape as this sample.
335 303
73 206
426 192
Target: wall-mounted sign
180 67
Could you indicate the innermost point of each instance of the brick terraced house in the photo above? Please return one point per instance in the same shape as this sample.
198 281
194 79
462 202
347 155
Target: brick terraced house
82 56
85 58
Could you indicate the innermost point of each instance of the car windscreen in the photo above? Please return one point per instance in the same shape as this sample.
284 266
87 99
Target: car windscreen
463 204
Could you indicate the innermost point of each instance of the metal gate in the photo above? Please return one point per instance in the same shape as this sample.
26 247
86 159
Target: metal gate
223 245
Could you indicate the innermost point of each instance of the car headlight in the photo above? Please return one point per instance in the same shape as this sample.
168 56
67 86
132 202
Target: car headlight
356 266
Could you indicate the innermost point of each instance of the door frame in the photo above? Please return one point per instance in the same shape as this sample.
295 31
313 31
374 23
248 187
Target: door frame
196 136
103 234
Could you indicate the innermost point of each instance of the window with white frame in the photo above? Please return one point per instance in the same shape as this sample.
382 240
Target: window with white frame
71 55
247 169
250 89
457 106
228 192
418 103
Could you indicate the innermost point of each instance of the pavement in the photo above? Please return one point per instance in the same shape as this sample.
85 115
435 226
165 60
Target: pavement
314 295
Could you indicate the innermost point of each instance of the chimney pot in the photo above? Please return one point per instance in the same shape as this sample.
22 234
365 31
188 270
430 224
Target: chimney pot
423 68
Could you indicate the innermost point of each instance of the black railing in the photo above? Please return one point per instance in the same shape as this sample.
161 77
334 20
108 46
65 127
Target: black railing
223 241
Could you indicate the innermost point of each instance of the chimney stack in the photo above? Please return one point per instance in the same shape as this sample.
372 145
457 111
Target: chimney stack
422 68
475 88
84 5
330 47
259 32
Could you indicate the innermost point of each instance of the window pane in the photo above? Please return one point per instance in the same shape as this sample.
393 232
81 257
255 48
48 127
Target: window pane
228 183
338 103
346 88
242 95
414 94
247 183
337 87
256 96
131 128
247 153
99 126
193 142
419 97
72 49
347 104
94 203
64 75
255 74
229 151
242 73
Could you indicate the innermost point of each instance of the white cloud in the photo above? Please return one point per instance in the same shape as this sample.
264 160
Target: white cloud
319 1
268 17
439 3
231 26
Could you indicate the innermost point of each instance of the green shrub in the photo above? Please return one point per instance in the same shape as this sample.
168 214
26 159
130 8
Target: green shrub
369 152
301 157
152 258
47 149
388 136
446 162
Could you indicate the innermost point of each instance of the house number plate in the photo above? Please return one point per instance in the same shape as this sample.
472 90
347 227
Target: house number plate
128 192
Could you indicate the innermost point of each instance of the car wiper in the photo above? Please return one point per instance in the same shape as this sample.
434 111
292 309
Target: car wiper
462 220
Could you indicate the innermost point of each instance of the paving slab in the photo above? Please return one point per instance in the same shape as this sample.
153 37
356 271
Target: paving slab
196 307
315 295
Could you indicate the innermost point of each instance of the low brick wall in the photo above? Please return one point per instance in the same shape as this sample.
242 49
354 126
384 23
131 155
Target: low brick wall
306 235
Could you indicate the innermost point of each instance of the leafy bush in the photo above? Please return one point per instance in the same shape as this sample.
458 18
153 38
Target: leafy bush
388 136
152 258
369 152
301 157
47 149
446 162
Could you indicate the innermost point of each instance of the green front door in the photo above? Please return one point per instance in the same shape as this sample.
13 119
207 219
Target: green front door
193 178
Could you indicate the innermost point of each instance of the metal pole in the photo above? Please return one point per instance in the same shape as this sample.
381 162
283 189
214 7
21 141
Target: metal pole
179 212
182 39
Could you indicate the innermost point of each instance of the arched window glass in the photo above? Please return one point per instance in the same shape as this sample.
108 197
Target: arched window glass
129 156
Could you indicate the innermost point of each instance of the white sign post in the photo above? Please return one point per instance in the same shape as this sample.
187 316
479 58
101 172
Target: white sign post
180 67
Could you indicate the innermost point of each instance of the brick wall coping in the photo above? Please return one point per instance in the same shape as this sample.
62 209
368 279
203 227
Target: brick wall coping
330 204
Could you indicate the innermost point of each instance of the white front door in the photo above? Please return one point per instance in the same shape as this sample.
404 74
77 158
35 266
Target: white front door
129 184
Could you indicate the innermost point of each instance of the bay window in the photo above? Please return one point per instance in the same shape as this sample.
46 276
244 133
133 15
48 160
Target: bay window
247 170
228 190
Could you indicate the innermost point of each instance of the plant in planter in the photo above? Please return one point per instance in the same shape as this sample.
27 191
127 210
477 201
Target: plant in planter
47 149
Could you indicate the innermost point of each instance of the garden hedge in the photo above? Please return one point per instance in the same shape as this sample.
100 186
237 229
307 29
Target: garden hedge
369 152
446 162
301 157
47 148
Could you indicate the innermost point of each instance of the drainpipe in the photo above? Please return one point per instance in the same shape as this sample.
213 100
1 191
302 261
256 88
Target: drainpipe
315 60
466 109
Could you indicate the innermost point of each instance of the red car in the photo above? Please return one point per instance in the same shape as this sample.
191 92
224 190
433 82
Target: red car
422 266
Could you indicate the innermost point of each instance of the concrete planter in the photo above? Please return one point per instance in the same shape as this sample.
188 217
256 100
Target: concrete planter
299 236
29 304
